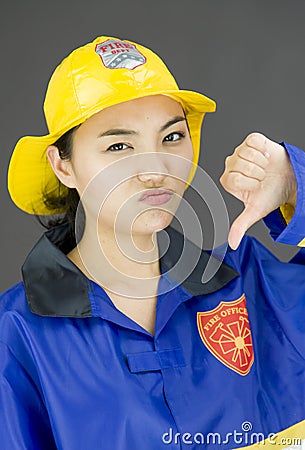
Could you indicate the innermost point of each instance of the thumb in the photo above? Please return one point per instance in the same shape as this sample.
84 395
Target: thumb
244 221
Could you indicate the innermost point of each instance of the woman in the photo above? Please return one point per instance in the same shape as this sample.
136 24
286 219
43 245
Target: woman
110 342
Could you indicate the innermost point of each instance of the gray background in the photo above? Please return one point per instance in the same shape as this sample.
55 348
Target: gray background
247 55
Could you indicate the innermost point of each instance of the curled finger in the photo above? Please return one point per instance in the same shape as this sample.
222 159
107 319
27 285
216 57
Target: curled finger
235 182
254 156
248 169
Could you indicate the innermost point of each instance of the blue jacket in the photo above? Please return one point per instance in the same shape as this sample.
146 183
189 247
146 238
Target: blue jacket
224 369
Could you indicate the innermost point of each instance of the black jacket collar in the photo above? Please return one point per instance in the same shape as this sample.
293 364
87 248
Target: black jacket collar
54 286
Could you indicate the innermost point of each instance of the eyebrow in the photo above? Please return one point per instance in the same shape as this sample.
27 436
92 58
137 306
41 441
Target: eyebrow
123 131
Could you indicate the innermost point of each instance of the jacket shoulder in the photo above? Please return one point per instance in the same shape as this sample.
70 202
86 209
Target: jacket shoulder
13 299
250 253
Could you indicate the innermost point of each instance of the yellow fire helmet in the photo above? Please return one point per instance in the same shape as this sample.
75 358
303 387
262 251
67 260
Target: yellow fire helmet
100 74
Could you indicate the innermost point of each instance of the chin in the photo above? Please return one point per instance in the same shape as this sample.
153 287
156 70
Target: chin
152 221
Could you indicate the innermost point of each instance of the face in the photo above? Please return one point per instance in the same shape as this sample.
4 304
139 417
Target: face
130 163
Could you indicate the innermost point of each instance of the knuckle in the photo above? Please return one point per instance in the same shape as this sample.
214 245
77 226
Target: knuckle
253 154
255 139
224 181
228 160
250 169
237 181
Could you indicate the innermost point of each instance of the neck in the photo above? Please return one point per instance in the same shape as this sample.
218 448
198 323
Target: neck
120 263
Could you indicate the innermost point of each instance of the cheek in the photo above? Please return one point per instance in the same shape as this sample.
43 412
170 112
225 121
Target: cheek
107 203
189 151
180 167
91 189
93 177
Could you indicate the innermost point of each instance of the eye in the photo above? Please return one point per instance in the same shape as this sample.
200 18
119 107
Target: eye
173 137
118 147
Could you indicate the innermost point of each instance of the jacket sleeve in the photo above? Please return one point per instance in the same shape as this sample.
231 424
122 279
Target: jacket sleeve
286 225
281 284
275 289
24 423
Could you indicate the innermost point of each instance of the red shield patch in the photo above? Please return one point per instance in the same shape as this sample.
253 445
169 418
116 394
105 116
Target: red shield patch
226 332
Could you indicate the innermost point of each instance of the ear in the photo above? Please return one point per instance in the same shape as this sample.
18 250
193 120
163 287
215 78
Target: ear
61 167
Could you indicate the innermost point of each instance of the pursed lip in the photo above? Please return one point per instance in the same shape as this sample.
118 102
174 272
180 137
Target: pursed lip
156 196
154 193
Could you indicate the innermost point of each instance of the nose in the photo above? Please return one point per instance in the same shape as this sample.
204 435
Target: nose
152 168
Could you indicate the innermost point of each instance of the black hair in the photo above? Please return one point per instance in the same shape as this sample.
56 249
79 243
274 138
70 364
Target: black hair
68 202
